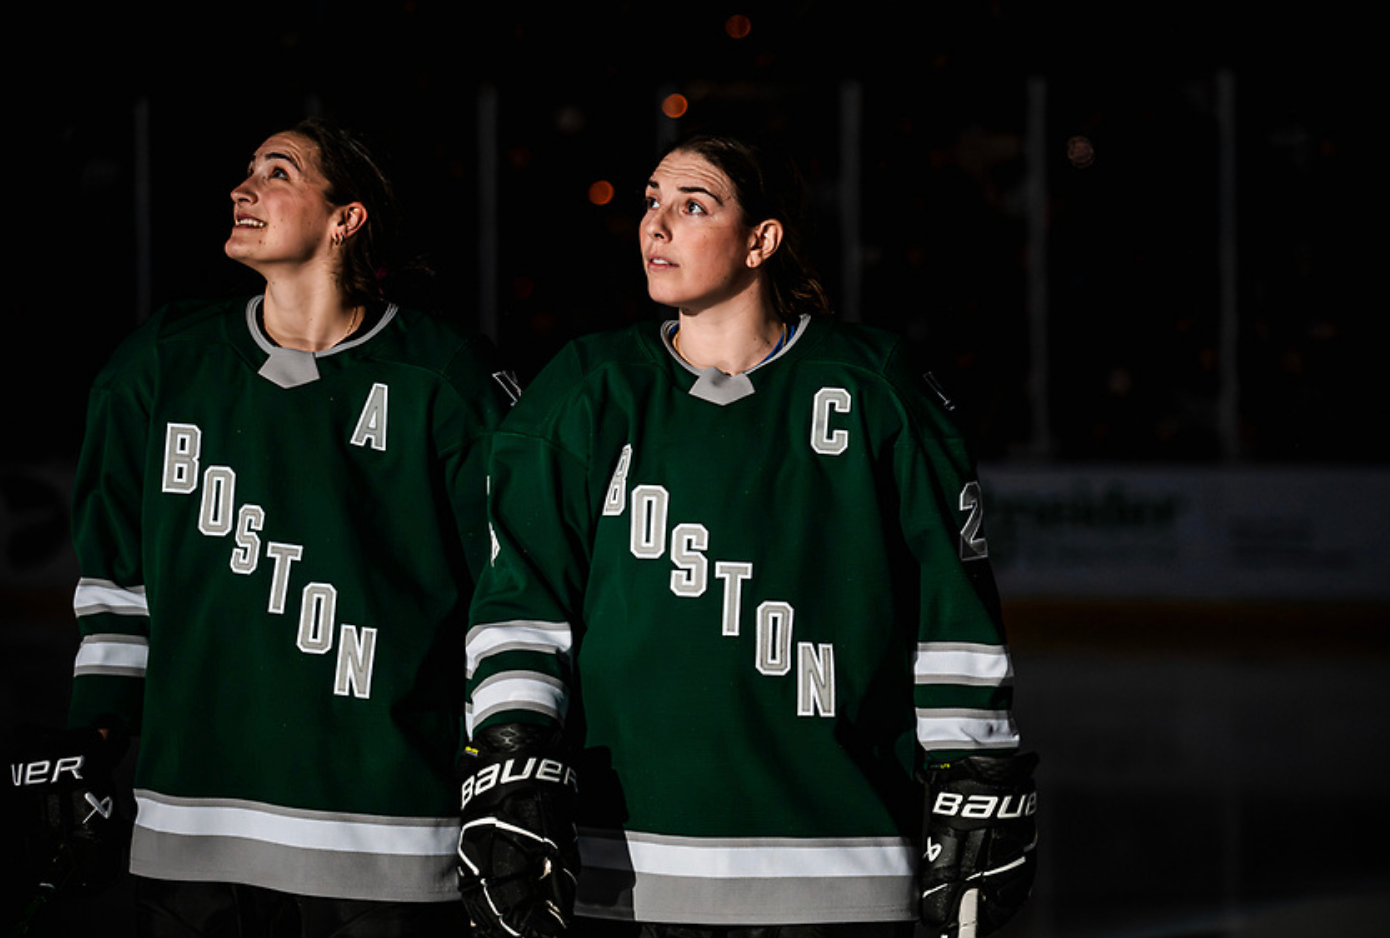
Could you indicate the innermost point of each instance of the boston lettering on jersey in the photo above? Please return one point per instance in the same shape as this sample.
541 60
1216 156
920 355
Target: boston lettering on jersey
220 516
652 537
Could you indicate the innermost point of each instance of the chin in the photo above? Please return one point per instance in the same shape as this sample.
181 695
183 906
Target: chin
664 297
241 257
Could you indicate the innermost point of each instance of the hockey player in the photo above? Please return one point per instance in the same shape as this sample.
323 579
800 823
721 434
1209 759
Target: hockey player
279 514
739 604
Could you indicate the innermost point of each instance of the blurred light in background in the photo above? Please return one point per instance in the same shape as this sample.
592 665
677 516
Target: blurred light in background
674 106
601 192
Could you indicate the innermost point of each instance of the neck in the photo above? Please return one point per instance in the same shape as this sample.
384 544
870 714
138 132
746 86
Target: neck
308 317
733 344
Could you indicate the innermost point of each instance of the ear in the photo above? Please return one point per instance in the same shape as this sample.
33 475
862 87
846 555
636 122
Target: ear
764 241
349 219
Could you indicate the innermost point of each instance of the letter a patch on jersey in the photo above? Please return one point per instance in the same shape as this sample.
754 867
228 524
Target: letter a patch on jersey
371 426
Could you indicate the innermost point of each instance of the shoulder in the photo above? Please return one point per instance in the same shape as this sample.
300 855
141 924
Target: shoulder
429 341
852 345
447 354
182 321
192 316
591 362
630 345
882 359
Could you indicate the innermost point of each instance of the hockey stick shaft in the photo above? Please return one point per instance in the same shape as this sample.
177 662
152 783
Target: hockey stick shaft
969 912
60 870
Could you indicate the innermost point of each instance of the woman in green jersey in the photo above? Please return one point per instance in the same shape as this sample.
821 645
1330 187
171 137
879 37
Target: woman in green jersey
739 598
279 514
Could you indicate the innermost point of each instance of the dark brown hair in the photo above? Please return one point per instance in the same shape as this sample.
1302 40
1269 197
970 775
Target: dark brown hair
369 258
768 185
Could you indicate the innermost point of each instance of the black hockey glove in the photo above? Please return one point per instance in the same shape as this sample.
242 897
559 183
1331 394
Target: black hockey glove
62 784
978 865
518 850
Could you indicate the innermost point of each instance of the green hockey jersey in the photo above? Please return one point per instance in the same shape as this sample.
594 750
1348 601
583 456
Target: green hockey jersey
753 602
277 552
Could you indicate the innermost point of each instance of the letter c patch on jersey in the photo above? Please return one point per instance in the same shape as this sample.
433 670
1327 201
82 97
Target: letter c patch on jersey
824 439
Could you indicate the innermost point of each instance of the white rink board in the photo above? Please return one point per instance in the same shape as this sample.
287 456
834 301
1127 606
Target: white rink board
1189 533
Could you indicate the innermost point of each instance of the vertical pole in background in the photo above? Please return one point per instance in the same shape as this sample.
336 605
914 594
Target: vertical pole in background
1228 396
851 114
1035 169
1228 437
489 323
144 268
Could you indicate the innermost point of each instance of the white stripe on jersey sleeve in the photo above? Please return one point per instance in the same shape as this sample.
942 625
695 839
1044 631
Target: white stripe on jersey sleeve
964 663
548 638
966 729
516 690
112 655
97 596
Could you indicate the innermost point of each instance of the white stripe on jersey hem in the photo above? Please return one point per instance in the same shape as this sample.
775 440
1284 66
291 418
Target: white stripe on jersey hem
112 654
551 638
93 597
747 858
966 729
964 663
311 830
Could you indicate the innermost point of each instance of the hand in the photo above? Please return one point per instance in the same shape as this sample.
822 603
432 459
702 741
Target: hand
518 849
979 860
63 782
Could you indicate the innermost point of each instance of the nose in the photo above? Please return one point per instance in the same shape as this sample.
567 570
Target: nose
243 192
654 225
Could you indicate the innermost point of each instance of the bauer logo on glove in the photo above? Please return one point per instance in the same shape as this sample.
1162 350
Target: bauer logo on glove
985 807
518 848
512 771
979 858
62 789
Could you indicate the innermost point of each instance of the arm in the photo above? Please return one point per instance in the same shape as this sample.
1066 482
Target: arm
484 395
74 821
542 507
978 852
518 849
109 602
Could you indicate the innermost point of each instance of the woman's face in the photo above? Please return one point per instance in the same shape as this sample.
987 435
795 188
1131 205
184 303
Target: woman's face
280 212
695 245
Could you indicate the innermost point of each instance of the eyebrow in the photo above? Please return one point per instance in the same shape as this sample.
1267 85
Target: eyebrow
652 184
276 155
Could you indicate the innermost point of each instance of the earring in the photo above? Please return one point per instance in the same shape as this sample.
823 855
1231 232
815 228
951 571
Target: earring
337 239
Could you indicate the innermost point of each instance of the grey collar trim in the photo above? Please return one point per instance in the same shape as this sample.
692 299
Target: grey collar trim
290 368
714 385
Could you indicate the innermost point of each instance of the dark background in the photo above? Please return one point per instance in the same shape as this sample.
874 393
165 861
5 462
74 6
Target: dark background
126 126
129 124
